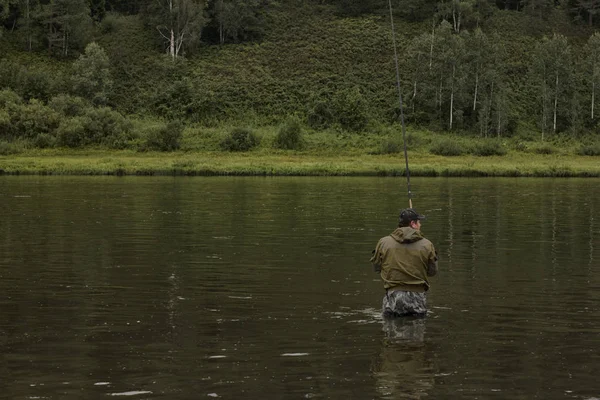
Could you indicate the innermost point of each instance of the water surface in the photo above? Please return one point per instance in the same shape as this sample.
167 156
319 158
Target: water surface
188 288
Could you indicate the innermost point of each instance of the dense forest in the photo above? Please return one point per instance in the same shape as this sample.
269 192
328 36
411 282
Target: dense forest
137 73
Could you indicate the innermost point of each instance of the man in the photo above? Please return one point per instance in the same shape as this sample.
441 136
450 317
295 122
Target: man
405 260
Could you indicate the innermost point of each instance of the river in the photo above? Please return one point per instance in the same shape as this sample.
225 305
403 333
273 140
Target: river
223 287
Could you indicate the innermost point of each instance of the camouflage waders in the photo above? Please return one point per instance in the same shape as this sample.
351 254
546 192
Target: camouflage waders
399 303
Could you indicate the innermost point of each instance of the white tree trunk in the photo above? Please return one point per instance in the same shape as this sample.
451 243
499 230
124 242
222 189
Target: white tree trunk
452 97
431 47
593 97
555 102
476 87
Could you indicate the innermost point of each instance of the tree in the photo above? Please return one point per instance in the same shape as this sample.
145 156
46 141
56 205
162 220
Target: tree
456 12
592 51
553 70
91 75
179 23
448 67
237 20
68 24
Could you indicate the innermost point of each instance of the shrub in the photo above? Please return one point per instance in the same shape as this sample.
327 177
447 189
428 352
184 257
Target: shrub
8 96
44 141
71 132
34 118
70 106
390 146
489 148
447 147
320 116
289 135
37 85
8 148
589 150
239 139
166 137
5 125
104 124
351 110
544 148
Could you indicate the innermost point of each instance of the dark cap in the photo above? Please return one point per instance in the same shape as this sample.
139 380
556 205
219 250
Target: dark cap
409 214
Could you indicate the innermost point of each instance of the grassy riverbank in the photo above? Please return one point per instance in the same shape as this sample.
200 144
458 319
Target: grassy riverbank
376 153
101 162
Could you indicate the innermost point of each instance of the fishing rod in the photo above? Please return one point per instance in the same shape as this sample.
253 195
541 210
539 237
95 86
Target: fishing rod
401 106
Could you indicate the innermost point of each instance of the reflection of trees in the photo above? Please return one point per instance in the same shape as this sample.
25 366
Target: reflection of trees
405 368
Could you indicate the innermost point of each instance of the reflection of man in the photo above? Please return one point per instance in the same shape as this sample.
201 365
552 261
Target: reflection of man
405 368
405 260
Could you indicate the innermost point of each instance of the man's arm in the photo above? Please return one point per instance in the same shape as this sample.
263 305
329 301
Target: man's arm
432 264
376 258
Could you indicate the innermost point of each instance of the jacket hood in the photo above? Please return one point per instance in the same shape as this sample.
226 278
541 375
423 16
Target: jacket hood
406 234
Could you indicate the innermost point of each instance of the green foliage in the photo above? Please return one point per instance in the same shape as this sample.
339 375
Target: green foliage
544 148
29 120
8 148
67 105
351 110
44 141
5 125
239 139
390 146
320 116
589 150
166 137
236 20
448 148
290 135
91 75
9 97
71 132
488 148
103 125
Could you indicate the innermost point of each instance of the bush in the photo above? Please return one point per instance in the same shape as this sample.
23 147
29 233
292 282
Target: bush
44 141
5 125
489 148
390 146
447 147
103 125
71 132
589 150
351 110
320 116
544 148
70 106
8 96
8 148
34 118
239 139
166 137
290 135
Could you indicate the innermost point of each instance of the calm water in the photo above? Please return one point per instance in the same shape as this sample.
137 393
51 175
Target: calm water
260 288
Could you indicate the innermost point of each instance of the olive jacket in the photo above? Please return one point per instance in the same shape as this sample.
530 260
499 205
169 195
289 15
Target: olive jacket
405 260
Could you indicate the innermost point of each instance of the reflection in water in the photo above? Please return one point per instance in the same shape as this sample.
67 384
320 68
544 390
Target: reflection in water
222 287
404 368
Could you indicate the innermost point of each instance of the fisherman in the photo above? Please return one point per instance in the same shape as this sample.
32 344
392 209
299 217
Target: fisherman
405 260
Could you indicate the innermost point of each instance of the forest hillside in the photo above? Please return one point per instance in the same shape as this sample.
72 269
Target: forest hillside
140 74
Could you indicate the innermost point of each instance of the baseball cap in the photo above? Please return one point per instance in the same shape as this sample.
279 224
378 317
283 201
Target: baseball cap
409 214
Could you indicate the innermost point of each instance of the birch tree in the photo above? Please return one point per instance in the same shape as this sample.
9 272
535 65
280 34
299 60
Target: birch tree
553 69
418 55
178 22
68 24
592 51
238 19
449 62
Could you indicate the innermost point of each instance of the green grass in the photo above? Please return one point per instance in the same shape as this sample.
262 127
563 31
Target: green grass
328 152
